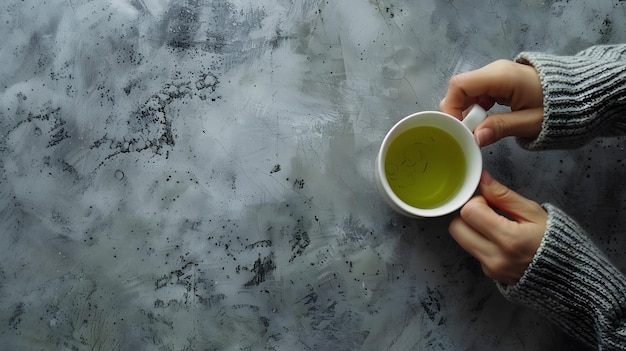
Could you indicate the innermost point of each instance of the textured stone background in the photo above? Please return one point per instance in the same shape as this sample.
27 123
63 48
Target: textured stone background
198 175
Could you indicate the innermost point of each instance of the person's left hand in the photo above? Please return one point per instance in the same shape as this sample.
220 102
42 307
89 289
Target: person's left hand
504 245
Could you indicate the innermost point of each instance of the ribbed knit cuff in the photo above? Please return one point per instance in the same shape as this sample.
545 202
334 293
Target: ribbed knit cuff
584 96
574 285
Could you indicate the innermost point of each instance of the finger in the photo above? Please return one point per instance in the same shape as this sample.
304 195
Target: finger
470 239
484 101
504 82
479 215
524 123
456 102
502 198
493 259
482 85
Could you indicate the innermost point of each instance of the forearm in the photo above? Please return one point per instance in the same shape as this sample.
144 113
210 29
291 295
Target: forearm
584 96
573 284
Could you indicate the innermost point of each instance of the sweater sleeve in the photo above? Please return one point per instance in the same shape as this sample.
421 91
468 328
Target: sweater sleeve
584 96
572 283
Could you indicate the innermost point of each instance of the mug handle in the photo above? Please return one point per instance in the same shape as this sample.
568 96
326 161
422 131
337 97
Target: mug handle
474 116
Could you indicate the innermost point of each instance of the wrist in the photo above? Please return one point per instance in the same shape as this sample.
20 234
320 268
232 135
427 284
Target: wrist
579 98
572 283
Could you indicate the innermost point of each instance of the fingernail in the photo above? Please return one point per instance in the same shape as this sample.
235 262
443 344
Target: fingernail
486 178
483 137
442 104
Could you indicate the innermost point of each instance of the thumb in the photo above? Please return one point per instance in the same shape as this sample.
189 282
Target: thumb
523 123
506 200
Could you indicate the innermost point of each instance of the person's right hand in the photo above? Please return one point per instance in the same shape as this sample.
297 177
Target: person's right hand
501 228
504 82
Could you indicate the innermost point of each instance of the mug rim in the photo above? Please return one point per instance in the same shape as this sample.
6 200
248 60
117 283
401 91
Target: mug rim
471 152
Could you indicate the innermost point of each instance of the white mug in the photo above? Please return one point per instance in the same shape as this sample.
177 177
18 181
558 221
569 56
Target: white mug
420 157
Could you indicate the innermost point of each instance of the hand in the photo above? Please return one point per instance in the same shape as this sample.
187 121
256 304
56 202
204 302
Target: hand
505 246
504 82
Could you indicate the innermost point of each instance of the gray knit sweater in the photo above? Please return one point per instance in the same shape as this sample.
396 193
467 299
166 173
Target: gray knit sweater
570 281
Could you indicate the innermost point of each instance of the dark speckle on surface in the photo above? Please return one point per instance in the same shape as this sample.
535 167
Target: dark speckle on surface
276 169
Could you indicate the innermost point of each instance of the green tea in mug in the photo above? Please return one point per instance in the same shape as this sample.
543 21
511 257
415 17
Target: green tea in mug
425 166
